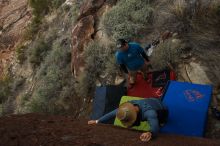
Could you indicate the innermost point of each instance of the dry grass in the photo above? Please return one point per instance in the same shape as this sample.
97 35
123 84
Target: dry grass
166 53
178 8
197 22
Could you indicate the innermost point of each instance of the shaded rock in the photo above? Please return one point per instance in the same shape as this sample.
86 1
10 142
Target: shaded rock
81 35
194 72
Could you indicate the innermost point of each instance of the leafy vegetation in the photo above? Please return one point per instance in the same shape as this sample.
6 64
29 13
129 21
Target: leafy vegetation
50 56
40 9
54 91
5 88
20 54
38 52
127 19
166 53
100 67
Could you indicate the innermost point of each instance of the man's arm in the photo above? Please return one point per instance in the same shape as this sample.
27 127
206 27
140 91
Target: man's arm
142 52
107 117
151 117
144 55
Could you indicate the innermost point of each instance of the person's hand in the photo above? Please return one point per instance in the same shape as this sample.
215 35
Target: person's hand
155 42
92 122
145 137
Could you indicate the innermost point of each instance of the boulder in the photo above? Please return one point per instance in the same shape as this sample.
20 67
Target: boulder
81 36
195 72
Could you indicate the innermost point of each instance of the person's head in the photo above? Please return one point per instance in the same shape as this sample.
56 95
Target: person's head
127 114
122 44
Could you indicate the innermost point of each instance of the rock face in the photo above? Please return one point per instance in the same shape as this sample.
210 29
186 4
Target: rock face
86 30
14 17
90 7
81 35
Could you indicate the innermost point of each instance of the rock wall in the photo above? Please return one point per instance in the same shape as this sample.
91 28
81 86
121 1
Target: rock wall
86 30
14 17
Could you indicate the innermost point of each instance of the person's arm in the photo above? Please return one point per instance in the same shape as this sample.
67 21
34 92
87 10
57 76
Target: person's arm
144 55
124 68
142 52
151 117
104 118
148 47
120 61
107 117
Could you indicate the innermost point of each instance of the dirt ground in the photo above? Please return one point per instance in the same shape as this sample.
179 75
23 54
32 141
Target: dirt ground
47 130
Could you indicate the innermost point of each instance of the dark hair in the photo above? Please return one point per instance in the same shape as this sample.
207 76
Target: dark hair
121 42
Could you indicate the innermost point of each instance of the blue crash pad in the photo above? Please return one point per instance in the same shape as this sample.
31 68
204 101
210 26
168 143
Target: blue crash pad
188 108
106 99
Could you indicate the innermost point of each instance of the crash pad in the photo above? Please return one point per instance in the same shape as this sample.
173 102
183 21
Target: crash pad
144 126
153 87
188 108
107 98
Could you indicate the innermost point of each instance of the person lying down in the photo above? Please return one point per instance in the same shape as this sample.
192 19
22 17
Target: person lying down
133 112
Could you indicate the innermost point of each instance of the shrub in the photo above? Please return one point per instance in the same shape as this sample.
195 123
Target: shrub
38 52
54 92
40 7
5 88
166 53
57 3
9 86
1 109
100 67
127 19
20 54
218 10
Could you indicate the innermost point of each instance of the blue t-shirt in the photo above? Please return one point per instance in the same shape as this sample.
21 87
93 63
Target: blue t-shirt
132 57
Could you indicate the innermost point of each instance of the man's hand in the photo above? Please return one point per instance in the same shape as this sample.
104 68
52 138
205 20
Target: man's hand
92 122
145 137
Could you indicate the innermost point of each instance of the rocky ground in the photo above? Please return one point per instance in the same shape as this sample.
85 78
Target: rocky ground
46 130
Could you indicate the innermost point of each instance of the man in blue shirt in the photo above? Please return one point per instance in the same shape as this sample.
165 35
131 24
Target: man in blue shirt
131 58
133 112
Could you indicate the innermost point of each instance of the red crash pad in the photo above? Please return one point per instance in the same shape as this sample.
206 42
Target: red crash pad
145 89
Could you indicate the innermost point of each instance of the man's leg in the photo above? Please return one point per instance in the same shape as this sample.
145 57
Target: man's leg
144 70
133 75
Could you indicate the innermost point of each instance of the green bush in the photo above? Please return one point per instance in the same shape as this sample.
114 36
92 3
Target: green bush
127 19
5 88
1 109
40 7
100 66
54 91
57 3
166 53
38 52
218 10
20 54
